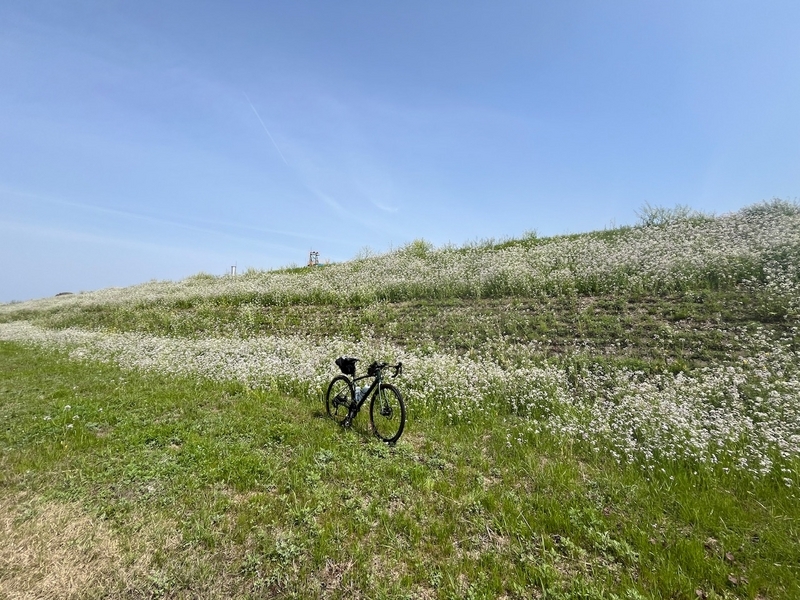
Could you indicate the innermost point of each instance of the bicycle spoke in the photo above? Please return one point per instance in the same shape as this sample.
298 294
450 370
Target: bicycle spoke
387 413
339 398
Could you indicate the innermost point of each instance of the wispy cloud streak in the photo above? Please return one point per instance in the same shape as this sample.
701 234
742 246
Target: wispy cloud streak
265 129
193 224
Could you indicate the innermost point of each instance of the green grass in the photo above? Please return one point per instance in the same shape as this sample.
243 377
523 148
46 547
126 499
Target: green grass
123 484
654 332
216 490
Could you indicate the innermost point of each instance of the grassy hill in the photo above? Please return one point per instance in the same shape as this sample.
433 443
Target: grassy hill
607 415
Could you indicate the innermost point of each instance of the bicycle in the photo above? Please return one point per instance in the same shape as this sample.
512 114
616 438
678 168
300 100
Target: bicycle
387 411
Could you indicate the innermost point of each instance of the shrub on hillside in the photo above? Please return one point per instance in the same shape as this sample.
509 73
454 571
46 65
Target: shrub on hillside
656 216
774 207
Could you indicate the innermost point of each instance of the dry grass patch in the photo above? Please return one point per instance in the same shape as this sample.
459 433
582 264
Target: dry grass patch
331 580
54 550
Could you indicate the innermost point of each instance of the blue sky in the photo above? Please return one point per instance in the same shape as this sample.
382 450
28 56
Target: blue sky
153 140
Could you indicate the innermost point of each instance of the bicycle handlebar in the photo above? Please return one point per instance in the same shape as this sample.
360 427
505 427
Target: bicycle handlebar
398 368
373 370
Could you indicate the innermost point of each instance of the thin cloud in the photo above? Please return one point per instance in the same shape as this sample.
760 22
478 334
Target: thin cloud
130 215
325 198
267 130
71 235
331 202
383 207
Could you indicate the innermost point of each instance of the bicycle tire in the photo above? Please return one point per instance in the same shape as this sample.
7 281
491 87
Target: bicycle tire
339 398
387 413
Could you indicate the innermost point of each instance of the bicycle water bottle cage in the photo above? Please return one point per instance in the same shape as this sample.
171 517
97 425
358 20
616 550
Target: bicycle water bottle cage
347 365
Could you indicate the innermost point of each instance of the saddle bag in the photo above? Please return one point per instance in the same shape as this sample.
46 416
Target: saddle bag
347 365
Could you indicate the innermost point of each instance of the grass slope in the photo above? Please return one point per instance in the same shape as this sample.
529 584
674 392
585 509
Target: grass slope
216 490
608 415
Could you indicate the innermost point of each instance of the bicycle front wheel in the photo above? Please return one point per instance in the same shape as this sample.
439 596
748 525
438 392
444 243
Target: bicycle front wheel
387 413
339 398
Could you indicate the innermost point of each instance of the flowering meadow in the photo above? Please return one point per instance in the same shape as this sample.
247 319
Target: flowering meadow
740 413
759 246
605 416
743 415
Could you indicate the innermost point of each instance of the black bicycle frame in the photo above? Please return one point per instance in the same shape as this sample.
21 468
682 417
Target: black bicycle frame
375 383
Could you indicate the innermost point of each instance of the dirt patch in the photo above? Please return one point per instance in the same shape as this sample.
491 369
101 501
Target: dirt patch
54 550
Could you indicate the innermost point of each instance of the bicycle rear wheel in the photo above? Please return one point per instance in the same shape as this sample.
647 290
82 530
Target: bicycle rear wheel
387 413
339 398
